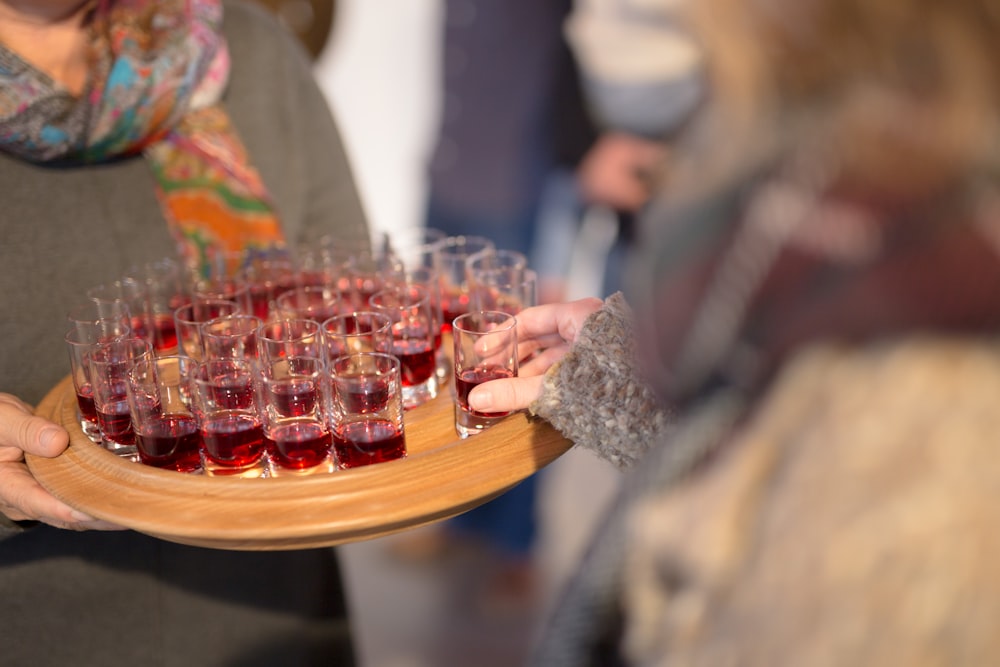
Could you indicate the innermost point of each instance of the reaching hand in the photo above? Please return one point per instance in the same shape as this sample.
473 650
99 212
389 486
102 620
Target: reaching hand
549 330
620 171
21 496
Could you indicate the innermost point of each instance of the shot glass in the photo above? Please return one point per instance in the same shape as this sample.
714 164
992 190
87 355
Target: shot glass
414 329
294 401
159 398
231 337
268 275
222 277
367 409
485 349
510 292
289 339
428 277
163 285
188 320
110 363
311 303
366 273
226 406
350 333
81 340
126 295
452 253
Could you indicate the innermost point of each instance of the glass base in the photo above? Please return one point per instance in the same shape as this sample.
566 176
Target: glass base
252 471
443 369
129 452
325 467
419 394
90 430
468 423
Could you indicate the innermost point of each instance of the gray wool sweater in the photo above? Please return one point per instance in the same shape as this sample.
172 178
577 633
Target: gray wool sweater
119 598
595 396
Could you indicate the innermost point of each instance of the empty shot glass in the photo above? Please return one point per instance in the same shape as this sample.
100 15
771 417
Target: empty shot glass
166 430
367 409
485 348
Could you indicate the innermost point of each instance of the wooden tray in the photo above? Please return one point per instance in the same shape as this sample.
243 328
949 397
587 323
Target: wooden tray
442 476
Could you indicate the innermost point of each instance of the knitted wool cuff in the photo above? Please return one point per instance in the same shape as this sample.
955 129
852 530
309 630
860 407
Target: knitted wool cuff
594 396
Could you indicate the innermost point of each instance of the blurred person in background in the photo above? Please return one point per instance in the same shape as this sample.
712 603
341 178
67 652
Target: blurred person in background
805 391
115 115
642 83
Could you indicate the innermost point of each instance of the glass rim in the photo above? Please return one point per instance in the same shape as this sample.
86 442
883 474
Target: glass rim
504 321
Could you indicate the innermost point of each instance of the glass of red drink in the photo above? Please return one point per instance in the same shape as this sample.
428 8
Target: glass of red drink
81 340
362 331
231 337
367 409
189 318
485 348
452 254
130 296
226 406
110 363
166 430
295 402
315 302
414 328
165 292
269 274
510 292
287 338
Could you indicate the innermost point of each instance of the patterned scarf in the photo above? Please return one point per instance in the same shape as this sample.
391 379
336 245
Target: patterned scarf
159 69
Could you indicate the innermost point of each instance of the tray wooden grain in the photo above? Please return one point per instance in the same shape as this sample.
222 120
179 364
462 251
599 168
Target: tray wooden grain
442 476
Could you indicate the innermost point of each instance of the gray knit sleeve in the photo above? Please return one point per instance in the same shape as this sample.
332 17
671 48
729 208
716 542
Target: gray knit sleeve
594 395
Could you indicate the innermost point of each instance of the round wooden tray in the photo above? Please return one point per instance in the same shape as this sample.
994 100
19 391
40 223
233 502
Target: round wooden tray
442 476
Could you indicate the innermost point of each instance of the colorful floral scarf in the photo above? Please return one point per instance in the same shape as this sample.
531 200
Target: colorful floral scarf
159 71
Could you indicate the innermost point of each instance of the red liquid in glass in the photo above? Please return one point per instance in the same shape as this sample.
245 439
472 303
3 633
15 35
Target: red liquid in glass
363 397
366 442
115 422
293 398
299 445
452 305
260 301
472 377
233 440
139 328
417 360
166 333
85 401
171 442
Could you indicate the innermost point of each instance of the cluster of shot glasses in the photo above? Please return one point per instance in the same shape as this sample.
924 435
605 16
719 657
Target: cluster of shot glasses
287 364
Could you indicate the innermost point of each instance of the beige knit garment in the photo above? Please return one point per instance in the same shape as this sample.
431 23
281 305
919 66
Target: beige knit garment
854 521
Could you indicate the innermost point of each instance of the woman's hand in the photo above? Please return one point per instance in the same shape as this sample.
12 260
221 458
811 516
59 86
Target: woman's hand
549 330
21 496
